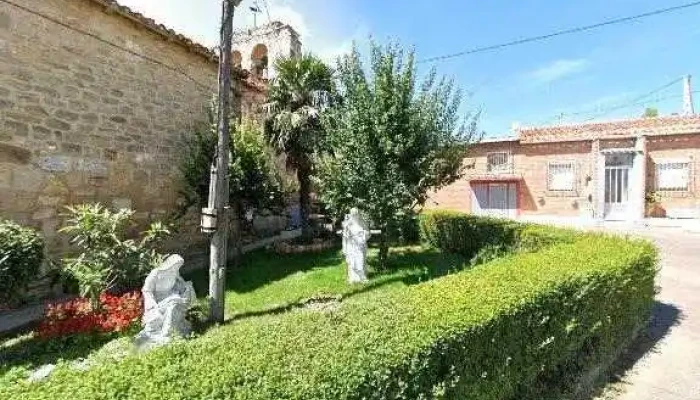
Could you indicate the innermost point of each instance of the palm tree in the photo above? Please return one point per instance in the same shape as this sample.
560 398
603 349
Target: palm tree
297 95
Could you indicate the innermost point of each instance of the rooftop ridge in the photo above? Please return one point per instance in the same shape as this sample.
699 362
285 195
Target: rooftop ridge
262 30
114 7
656 126
610 122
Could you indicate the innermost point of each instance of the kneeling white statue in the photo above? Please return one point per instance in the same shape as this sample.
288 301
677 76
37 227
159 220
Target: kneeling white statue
166 298
355 237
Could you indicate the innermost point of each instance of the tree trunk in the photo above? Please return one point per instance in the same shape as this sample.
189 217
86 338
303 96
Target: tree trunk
383 250
303 176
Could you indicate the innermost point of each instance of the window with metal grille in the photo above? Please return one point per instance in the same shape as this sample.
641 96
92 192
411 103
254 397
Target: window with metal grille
561 176
673 175
498 162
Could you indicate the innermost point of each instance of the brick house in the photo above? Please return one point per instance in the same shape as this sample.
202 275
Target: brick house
608 170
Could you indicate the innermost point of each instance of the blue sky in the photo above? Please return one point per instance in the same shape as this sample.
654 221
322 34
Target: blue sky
530 84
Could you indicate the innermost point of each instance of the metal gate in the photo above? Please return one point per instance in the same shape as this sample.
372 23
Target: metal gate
495 199
617 185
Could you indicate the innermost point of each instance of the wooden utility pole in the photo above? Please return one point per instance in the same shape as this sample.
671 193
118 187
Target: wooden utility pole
219 190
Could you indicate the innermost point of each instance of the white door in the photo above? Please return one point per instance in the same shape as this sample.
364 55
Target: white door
617 186
495 199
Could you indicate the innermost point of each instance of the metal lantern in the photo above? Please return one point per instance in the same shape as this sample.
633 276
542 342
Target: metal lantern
209 220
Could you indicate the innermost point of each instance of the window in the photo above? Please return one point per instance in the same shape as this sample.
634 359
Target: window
673 175
498 162
561 177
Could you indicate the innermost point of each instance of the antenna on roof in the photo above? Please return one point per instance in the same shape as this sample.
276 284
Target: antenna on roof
267 11
255 8
688 108
515 127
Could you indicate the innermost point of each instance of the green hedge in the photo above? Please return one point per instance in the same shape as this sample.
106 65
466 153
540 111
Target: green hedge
497 331
21 255
467 234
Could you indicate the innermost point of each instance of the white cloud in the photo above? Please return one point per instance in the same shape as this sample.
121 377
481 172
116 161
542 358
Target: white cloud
330 51
559 69
281 10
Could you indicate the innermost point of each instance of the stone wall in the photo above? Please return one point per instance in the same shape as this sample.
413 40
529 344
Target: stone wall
85 119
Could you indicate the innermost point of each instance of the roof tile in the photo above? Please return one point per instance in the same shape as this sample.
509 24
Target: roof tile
671 125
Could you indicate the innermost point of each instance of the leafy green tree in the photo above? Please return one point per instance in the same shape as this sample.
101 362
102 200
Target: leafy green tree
254 179
296 97
650 112
390 141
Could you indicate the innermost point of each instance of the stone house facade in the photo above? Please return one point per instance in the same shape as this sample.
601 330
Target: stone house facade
96 102
620 170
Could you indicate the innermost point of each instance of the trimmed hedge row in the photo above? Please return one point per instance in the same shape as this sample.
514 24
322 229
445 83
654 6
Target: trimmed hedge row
21 255
467 234
492 332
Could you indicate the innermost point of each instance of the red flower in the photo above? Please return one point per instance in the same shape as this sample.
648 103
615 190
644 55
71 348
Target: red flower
76 316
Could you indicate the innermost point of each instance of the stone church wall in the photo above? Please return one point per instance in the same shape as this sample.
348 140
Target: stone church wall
85 118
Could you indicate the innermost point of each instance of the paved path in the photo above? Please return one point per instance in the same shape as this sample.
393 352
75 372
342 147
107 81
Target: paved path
13 320
665 363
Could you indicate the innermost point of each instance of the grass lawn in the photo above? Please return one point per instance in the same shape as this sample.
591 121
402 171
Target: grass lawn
264 283
267 282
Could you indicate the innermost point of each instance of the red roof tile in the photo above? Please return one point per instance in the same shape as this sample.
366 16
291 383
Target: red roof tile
672 125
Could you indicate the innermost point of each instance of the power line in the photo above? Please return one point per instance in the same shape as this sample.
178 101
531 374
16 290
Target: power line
641 103
559 33
632 103
107 42
636 99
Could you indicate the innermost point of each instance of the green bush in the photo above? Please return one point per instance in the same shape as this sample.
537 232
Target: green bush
467 234
21 255
255 179
108 260
497 331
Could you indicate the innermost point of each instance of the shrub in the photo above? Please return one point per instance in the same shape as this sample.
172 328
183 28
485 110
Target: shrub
118 314
21 255
467 234
108 260
493 332
255 180
490 253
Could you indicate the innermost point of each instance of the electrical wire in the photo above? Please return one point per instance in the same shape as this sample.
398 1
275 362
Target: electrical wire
636 99
558 33
105 41
641 103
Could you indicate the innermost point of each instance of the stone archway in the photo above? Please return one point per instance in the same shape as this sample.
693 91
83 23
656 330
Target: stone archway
259 60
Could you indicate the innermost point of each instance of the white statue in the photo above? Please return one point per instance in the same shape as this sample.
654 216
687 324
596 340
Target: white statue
166 299
355 237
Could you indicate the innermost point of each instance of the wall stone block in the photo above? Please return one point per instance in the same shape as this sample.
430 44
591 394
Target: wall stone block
58 124
17 128
81 121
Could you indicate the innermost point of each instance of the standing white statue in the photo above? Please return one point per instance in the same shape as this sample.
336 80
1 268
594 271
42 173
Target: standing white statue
166 298
355 236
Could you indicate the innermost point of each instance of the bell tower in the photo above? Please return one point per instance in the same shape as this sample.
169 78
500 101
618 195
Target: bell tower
256 50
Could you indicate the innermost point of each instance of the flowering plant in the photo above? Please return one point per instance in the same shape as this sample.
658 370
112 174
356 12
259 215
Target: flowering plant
117 314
